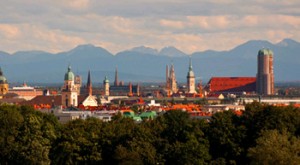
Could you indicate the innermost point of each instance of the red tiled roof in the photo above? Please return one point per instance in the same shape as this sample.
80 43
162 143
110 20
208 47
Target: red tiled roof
51 99
44 100
12 100
232 84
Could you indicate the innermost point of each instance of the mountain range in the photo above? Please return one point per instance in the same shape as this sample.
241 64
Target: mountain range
144 64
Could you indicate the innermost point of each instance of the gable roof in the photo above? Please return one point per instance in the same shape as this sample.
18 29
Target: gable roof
56 100
232 84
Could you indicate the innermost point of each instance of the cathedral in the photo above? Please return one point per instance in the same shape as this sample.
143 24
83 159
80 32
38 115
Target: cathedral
172 86
171 83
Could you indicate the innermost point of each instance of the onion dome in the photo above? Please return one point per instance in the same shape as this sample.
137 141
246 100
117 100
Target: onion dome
106 80
190 72
265 51
2 78
69 76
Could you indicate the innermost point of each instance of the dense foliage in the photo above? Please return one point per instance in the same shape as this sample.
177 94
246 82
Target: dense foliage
262 135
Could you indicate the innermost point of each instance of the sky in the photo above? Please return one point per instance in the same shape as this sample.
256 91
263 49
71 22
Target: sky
117 25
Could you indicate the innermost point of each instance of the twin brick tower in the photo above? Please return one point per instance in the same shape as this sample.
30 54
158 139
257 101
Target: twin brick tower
265 73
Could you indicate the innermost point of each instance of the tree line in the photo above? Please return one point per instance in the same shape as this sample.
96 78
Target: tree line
263 134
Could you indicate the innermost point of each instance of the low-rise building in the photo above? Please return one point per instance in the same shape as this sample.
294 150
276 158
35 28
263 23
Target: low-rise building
25 92
222 107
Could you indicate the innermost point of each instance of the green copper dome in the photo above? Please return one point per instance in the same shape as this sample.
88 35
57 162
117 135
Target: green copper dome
106 80
2 78
190 72
265 51
69 75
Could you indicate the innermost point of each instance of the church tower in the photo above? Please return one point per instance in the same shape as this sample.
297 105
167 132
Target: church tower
130 89
3 84
172 80
116 83
69 91
191 79
78 83
167 81
138 89
265 72
106 86
89 84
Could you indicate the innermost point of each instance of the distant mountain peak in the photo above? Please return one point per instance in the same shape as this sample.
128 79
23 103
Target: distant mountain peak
84 46
145 50
171 51
88 49
31 52
288 42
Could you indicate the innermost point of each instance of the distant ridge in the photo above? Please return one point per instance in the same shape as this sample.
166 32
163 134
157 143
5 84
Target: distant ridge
146 64
145 50
171 51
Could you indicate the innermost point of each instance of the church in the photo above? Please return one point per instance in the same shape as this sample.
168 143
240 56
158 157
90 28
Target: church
3 84
71 95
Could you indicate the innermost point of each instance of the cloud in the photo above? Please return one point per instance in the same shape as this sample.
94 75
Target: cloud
32 37
79 4
171 24
9 31
191 25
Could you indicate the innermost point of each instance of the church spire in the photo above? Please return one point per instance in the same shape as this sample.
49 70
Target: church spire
191 79
116 83
190 66
173 83
89 84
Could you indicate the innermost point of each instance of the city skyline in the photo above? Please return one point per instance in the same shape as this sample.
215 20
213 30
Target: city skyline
150 82
190 26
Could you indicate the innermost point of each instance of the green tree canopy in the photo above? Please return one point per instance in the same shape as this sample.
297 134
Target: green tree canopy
274 147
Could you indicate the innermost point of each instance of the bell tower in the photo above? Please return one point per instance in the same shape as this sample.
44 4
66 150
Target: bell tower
3 84
106 86
69 90
191 79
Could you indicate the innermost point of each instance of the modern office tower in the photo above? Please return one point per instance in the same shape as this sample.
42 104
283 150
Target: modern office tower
265 73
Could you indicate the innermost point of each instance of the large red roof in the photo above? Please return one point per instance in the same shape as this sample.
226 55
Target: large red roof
232 84
49 100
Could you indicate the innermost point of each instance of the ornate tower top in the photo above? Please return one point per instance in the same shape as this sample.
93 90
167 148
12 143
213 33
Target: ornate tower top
69 75
190 67
89 84
116 83
105 80
3 79
190 72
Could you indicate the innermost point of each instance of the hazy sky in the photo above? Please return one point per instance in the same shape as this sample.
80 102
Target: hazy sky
116 25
